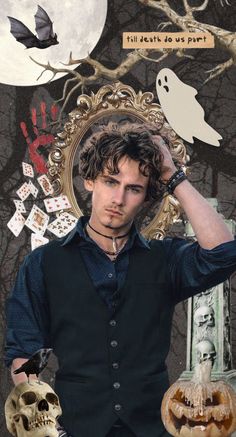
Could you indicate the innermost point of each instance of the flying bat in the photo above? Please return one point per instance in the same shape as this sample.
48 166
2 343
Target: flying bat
36 363
43 27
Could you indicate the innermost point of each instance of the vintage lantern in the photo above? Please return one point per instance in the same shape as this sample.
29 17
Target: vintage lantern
200 407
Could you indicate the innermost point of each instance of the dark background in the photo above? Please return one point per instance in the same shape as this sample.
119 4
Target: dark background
212 169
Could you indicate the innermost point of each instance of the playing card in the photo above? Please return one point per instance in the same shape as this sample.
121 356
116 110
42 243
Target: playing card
37 240
33 189
63 224
45 184
27 170
20 207
16 223
24 191
57 203
37 220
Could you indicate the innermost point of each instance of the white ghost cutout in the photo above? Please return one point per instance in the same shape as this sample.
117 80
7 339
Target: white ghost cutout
182 111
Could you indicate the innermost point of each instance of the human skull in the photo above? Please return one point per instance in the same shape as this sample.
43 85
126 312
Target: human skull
31 410
204 315
205 351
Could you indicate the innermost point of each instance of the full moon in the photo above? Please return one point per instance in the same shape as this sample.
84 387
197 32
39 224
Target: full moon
77 23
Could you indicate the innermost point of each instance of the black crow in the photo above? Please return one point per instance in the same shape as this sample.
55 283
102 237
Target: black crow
36 363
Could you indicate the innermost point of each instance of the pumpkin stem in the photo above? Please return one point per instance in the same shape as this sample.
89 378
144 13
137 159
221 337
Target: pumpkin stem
202 372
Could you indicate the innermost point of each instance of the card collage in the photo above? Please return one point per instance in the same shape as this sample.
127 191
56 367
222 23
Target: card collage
39 221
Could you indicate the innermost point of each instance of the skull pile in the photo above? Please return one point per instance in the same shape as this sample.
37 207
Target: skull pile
205 351
204 315
31 410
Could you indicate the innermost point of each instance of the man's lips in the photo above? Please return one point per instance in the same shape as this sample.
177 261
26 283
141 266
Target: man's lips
114 212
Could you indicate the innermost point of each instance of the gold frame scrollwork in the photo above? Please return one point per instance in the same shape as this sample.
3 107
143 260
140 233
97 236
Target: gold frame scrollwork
111 99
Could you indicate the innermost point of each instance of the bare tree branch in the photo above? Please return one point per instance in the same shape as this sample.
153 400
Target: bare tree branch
49 67
190 9
77 86
155 60
65 89
226 1
164 25
219 69
223 38
99 71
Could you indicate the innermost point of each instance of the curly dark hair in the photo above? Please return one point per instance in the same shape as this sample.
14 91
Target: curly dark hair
106 147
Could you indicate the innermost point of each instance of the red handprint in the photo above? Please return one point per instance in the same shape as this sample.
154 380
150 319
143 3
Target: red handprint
41 139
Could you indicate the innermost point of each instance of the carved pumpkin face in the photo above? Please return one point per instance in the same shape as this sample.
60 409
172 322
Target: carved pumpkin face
199 409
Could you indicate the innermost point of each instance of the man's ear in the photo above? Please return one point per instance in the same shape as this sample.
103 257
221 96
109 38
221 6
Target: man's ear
88 184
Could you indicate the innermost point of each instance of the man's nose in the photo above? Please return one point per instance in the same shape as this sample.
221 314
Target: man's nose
119 196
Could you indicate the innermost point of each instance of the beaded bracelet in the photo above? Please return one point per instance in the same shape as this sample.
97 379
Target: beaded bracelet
178 177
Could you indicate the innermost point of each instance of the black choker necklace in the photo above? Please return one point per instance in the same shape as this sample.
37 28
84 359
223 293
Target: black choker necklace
116 251
107 236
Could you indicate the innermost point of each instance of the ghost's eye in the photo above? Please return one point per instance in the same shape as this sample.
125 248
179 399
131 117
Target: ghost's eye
166 78
159 82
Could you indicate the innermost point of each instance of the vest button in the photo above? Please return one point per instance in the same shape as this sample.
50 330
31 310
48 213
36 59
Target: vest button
115 366
112 322
118 407
114 343
116 385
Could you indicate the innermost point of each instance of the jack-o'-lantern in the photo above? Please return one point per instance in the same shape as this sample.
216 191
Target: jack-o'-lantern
200 407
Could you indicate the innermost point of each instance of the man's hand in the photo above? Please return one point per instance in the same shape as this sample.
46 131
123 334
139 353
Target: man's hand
168 167
61 431
207 224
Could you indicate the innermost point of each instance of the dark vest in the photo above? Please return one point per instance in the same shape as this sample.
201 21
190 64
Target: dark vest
110 364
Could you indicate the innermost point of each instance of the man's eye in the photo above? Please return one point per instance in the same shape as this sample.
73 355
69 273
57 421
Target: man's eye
110 182
134 190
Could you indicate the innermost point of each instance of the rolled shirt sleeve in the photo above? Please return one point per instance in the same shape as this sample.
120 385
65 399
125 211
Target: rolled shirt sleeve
194 269
27 314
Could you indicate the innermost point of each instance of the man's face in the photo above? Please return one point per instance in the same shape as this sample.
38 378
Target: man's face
117 199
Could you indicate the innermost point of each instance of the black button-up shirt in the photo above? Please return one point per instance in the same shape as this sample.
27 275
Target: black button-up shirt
28 323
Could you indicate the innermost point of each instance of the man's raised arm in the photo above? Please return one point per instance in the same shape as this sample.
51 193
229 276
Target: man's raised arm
208 226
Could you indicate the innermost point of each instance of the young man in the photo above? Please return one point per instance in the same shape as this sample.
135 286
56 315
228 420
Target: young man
103 297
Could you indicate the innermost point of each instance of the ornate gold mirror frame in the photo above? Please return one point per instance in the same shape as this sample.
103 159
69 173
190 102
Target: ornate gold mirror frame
113 101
